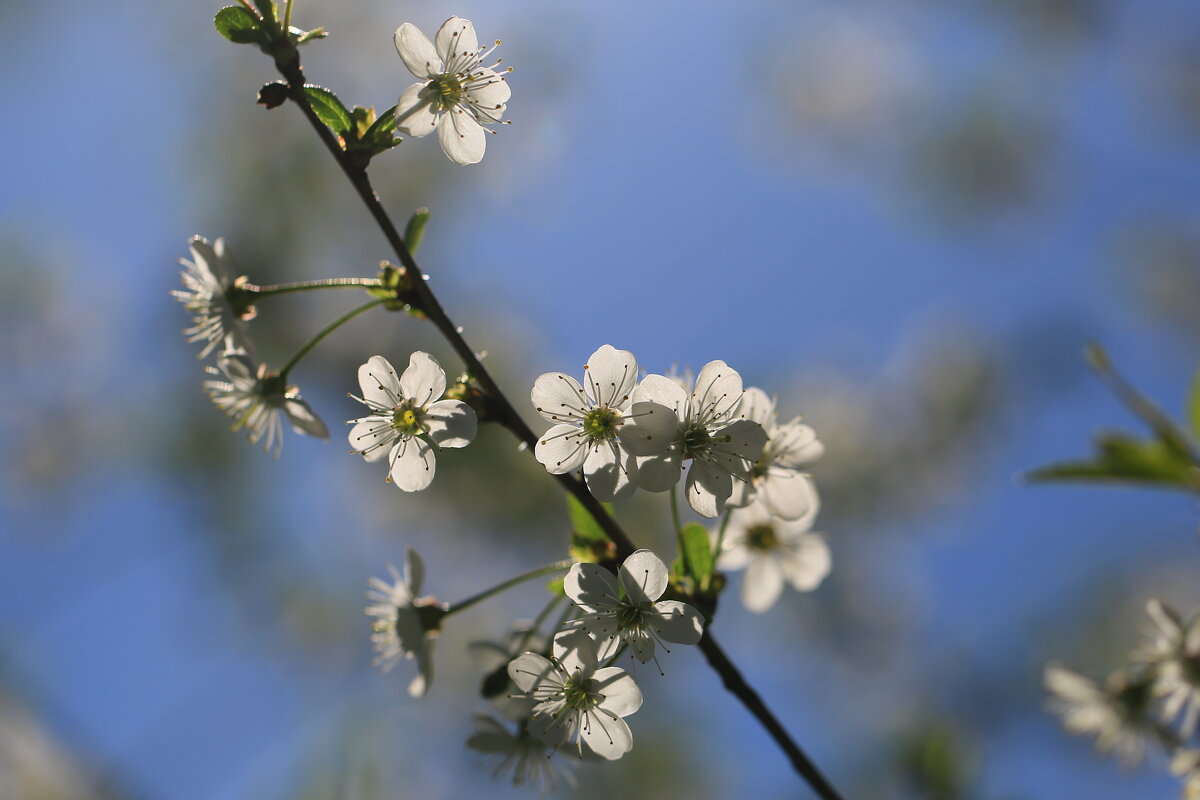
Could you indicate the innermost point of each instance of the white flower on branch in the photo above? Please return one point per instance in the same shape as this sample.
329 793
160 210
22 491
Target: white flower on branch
591 421
254 397
1173 656
634 615
1117 713
207 280
709 430
575 700
772 550
405 623
408 420
457 96
778 479
527 757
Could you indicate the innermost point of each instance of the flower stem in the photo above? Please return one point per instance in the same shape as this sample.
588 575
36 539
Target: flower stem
537 622
721 536
549 569
328 329
287 17
305 286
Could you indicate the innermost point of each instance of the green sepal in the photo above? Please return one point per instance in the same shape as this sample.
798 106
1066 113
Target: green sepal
238 25
588 541
414 231
328 108
302 36
1127 459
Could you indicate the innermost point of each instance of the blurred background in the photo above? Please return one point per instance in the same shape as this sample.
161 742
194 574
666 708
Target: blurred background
905 218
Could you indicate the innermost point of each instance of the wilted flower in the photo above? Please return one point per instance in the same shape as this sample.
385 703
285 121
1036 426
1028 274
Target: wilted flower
405 624
209 279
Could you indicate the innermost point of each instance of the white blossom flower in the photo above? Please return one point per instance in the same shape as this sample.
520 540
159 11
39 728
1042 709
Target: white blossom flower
405 623
1186 765
456 95
772 550
574 699
208 279
528 758
709 430
1116 713
633 615
1173 656
493 658
408 420
591 421
778 478
254 396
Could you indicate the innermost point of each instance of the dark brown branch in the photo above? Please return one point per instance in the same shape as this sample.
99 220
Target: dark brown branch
289 67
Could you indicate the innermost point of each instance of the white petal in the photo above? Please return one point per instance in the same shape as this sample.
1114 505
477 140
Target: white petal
734 558
643 576
416 51
790 495
796 446
415 114
621 693
558 397
664 391
757 407
420 684
649 429
591 587
745 440
455 39
529 669
708 487
608 736
575 651
424 381
744 493
412 465
561 449
378 382
450 423
762 584
550 729
660 473
610 376
677 622
718 391
367 433
611 473
304 419
641 644
463 139
490 92
806 562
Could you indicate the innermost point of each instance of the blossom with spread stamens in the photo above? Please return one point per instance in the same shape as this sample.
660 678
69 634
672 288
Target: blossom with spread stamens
1117 713
1173 656
527 757
709 430
575 700
634 614
405 624
254 396
409 421
772 550
208 279
778 479
457 96
591 420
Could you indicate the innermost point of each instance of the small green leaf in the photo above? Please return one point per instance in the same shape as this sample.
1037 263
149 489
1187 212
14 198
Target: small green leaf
328 108
557 587
697 554
588 542
267 9
237 25
1193 405
413 232
1124 458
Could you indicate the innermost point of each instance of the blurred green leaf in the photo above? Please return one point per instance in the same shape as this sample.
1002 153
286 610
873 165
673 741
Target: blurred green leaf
328 108
1193 405
413 232
589 542
237 25
1124 458
697 554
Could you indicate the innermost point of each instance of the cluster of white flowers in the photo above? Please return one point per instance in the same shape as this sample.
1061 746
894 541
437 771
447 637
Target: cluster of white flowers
242 386
1156 701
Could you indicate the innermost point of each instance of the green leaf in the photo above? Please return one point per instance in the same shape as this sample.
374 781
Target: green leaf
589 542
237 25
1124 458
329 108
413 232
267 9
1193 405
697 554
